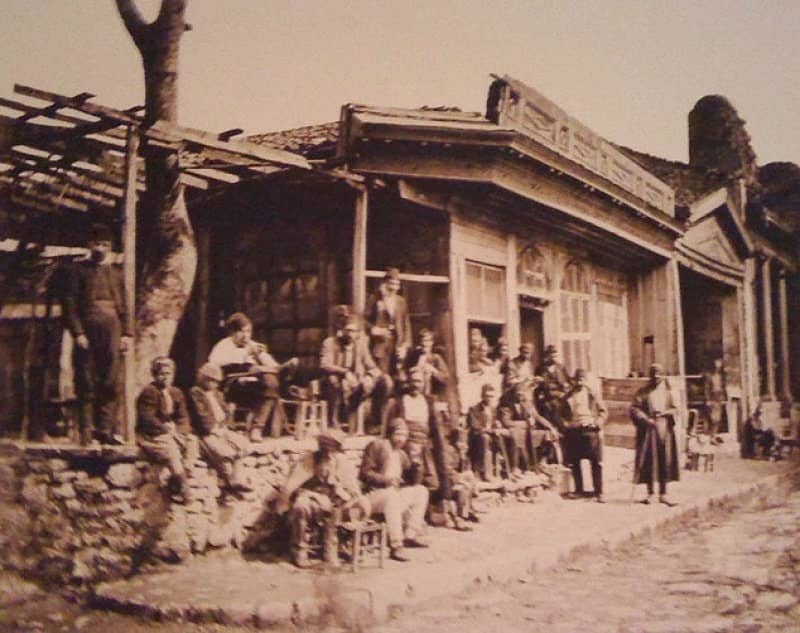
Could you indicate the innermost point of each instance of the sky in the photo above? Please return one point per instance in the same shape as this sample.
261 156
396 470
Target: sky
629 70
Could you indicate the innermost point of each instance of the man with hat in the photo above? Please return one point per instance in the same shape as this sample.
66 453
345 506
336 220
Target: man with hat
653 414
392 482
350 374
584 415
221 446
388 324
96 314
520 368
555 383
322 486
254 375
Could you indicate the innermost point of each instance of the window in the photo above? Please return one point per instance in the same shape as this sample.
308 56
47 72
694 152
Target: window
612 324
486 293
575 325
531 273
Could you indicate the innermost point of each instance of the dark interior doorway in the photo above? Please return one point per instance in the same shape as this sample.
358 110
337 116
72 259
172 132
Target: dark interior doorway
531 330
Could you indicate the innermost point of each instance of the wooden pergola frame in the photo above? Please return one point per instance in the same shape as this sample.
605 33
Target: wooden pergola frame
67 162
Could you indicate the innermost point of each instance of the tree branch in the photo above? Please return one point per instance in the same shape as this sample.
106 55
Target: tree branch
133 20
170 16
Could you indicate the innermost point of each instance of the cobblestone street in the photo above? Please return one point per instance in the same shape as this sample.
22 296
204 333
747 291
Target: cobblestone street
735 569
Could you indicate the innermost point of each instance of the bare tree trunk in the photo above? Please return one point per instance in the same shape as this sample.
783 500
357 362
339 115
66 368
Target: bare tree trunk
165 241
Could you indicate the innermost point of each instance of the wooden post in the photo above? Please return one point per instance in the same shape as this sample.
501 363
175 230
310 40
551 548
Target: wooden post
767 334
129 275
680 348
512 298
783 313
360 251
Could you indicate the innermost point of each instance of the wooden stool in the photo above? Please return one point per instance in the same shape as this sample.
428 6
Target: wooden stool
305 418
361 541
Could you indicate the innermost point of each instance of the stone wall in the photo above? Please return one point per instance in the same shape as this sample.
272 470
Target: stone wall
78 516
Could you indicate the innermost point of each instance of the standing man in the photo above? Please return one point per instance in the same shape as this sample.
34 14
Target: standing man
350 375
585 415
388 324
96 314
257 380
391 481
553 386
433 366
653 413
519 370
715 396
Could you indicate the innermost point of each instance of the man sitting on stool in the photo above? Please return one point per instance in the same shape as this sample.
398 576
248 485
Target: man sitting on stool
255 374
393 489
322 486
585 415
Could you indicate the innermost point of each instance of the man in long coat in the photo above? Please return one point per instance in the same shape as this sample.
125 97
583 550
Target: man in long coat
388 324
552 388
654 412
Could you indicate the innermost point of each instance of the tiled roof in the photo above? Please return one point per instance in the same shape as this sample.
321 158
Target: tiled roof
781 191
311 141
690 183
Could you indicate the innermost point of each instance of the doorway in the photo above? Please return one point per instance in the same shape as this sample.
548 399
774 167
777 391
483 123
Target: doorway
531 330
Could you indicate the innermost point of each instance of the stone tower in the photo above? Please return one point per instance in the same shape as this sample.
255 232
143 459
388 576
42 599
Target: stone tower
718 139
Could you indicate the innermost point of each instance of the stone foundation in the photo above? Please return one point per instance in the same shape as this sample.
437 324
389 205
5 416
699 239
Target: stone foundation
79 516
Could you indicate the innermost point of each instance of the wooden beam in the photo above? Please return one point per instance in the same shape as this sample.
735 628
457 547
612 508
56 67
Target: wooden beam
360 250
129 264
767 335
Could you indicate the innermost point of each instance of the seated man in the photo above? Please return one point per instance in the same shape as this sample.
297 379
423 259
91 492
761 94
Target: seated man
393 489
254 374
221 447
321 487
162 425
350 374
520 368
461 484
541 436
482 422
584 415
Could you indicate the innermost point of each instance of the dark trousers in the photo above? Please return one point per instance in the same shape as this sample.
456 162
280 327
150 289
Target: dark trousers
97 371
581 444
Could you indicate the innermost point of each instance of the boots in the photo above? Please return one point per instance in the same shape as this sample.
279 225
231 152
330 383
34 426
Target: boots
86 423
330 546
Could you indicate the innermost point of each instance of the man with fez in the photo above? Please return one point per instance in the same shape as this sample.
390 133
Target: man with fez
222 447
425 435
350 375
322 487
584 415
162 424
392 483
553 387
255 376
653 413
388 324
96 314
541 438
433 366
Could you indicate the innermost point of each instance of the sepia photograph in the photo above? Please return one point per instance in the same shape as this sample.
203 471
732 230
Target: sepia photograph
399 317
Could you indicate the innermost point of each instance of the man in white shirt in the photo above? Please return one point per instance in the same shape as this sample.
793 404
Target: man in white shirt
254 375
